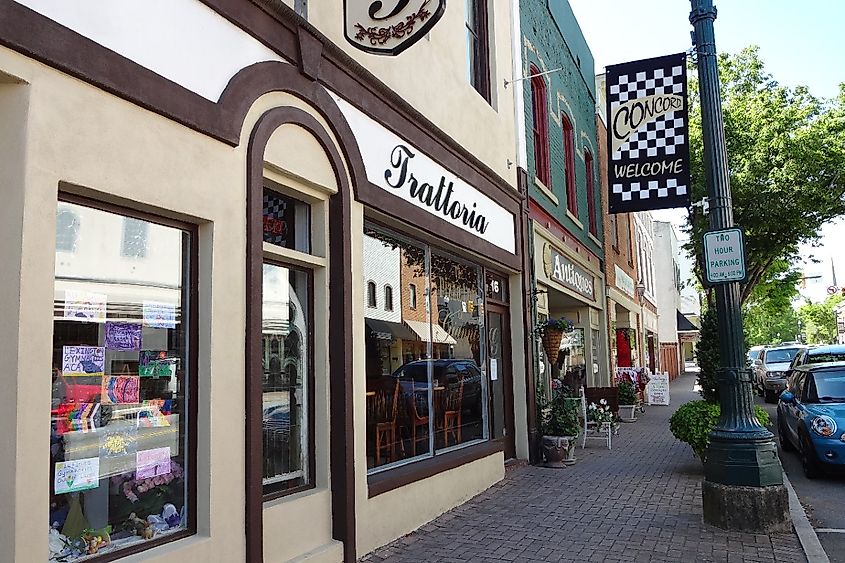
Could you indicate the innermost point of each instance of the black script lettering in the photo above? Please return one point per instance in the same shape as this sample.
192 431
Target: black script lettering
399 157
439 198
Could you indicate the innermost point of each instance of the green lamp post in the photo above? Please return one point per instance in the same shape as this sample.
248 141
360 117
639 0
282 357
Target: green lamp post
743 488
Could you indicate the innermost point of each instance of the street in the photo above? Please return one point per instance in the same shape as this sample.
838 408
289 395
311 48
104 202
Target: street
823 499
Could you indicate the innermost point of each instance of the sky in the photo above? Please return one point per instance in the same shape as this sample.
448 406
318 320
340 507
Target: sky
801 43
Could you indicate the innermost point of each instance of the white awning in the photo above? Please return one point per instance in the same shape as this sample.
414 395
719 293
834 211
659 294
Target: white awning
438 335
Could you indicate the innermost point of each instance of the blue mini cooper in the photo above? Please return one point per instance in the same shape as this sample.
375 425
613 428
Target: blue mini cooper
811 416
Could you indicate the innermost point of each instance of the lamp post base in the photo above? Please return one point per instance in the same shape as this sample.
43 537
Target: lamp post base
761 510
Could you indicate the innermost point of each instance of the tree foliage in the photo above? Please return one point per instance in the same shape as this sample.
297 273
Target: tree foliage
768 314
707 356
786 153
819 320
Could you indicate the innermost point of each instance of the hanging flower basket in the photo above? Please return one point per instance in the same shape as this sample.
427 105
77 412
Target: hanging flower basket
551 333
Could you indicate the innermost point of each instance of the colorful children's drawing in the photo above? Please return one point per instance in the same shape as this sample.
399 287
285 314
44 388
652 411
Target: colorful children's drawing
83 360
159 315
84 306
152 463
153 363
121 390
150 416
77 475
123 336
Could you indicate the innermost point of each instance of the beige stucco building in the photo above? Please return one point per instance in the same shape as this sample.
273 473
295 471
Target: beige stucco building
261 145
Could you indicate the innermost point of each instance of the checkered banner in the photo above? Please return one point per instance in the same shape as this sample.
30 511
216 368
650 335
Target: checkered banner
648 138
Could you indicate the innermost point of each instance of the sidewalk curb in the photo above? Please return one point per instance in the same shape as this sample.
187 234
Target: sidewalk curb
810 543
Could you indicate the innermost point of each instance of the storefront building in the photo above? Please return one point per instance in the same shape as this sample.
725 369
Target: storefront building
560 153
644 233
276 281
668 286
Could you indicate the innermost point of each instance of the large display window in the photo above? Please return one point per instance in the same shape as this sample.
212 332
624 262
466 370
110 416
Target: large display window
426 384
122 421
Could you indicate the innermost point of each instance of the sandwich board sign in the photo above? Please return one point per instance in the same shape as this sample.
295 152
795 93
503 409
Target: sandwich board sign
724 256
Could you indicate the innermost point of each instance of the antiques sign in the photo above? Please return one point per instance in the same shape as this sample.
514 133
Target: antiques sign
561 269
648 137
388 27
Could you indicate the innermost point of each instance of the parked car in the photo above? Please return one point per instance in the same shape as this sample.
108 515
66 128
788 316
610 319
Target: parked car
811 416
770 370
754 353
445 373
819 355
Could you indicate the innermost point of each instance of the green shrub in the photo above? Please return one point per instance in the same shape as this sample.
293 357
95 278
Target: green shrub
626 393
693 421
559 415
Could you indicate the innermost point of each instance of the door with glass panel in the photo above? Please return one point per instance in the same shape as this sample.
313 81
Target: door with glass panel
500 376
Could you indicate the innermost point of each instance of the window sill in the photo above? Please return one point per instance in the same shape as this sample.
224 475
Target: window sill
546 191
615 249
389 480
281 493
595 239
574 219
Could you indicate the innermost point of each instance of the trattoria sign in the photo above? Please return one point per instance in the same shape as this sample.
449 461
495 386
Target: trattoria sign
648 138
388 27
561 269
398 167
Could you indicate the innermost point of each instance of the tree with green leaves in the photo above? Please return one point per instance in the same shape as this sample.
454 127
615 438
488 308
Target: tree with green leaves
768 315
786 153
819 320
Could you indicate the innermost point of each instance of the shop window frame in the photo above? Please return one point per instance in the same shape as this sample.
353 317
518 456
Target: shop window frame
398 474
278 490
190 296
479 35
589 168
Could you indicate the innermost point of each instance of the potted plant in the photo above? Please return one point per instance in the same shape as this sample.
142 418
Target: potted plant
551 332
627 400
600 414
559 424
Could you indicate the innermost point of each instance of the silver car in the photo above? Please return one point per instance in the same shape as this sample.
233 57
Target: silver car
770 370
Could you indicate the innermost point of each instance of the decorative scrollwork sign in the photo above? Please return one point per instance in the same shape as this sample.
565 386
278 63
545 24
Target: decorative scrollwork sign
388 27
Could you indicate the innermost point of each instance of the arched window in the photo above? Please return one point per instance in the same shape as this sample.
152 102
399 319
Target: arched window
412 297
591 192
569 163
388 298
540 112
371 294
67 230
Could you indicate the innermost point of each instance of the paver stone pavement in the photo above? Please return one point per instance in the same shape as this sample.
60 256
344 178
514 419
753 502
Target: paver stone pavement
640 501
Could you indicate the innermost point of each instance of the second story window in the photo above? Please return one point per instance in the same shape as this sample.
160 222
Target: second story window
539 105
478 59
371 294
388 298
591 193
412 296
569 163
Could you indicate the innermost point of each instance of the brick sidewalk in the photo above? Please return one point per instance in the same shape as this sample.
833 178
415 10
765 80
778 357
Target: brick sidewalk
639 502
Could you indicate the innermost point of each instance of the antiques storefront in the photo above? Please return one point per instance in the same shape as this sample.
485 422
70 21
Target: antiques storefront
570 285
243 176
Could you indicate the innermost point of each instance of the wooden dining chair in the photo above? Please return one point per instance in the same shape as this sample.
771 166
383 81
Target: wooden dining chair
386 429
452 413
418 404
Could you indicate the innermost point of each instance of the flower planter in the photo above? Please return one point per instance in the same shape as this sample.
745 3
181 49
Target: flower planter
559 451
626 413
552 337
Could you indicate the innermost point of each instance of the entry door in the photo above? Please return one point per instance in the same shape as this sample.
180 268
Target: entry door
500 376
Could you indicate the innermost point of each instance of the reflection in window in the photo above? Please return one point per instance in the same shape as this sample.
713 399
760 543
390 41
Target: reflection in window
67 230
425 389
388 298
371 294
119 468
134 238
285 350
